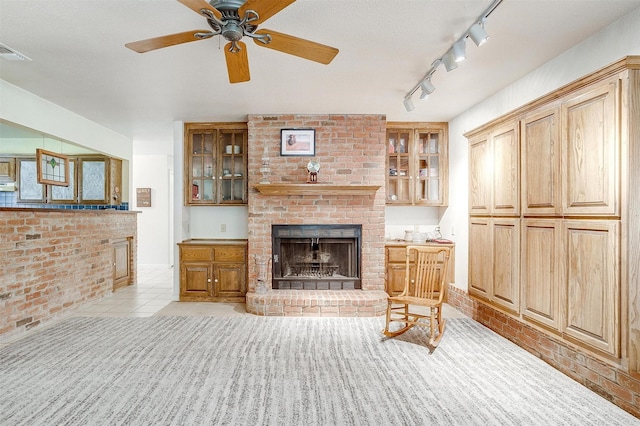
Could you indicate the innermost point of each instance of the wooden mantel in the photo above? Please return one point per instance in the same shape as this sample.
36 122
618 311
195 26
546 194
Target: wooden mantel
315 189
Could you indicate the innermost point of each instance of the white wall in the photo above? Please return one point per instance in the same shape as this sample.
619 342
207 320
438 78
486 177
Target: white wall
619 39
154 225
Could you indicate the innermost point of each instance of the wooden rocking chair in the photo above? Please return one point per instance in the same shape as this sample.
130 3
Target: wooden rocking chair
424 286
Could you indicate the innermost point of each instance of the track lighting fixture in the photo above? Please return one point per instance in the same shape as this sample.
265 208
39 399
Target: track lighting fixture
478 34
458 50
408 104
456 53
449 61
427 88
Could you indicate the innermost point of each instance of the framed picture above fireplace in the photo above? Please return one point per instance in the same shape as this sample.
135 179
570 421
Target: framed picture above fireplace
298 142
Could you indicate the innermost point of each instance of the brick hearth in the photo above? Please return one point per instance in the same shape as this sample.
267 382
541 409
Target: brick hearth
318 303
351 151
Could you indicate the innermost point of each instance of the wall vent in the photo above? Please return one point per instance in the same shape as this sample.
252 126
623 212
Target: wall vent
11 55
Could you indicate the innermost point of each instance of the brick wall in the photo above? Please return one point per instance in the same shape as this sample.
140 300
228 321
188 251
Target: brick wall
351 150
55 261
606 378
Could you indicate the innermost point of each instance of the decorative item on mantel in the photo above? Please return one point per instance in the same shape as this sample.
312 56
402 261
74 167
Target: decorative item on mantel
313 167
262 266
265 169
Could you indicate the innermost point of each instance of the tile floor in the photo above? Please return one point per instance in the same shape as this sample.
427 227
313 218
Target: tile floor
153 292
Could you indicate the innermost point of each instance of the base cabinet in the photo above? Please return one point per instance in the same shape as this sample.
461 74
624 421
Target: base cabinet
494 247
121 263
213 270
395 262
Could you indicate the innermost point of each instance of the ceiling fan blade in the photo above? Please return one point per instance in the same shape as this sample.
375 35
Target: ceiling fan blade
147 45
198 5
298 47
265 8
237 63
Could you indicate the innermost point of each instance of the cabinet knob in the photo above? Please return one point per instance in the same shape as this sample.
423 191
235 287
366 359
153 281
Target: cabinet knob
215 281
209 280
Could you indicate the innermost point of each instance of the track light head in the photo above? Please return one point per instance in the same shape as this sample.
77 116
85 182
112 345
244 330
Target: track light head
478 35
458 50
427 86
408 104
449 61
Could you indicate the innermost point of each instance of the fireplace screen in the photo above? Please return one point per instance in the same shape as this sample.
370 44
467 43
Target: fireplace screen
316 257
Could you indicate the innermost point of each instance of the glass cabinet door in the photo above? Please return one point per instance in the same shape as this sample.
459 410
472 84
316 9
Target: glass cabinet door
429 173
93 180
398 167
233 178
203 159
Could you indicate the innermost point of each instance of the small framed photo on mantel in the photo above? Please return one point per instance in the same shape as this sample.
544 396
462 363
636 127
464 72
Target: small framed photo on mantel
298 142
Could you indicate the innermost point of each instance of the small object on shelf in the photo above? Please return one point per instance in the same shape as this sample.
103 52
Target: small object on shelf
313 167
265 169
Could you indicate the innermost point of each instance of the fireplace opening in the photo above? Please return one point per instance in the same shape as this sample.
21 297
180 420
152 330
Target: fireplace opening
316 257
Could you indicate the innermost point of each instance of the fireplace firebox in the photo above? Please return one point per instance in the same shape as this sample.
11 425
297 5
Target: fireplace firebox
316 257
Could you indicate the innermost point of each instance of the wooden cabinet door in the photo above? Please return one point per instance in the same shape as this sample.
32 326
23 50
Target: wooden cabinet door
541 271
399 182
591 152
506 170
195 281
229 280
591 305
541 159
506 261
480 257
121 263
480 176
396 273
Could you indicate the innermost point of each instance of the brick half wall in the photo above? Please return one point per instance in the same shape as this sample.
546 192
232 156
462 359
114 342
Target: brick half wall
55 261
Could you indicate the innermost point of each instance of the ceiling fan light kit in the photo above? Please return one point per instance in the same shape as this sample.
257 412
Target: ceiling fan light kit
456 53
234 20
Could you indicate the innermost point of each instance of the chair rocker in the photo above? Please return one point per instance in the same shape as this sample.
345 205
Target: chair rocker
424 290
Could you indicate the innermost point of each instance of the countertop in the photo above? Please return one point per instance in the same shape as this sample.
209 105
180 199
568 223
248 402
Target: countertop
47 210
402 243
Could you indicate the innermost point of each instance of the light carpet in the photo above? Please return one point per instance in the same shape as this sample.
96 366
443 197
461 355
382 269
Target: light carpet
283 371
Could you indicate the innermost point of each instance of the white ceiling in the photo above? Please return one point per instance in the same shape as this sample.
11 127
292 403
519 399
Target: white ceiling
386 46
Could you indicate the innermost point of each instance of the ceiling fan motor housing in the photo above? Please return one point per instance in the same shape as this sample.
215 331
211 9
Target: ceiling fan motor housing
227 4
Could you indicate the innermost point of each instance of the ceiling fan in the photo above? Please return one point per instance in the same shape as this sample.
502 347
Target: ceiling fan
235 19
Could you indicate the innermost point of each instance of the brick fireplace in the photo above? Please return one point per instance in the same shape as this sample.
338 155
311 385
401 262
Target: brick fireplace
351 151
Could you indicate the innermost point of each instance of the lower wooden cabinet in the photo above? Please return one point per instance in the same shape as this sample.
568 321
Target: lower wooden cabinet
121 262
494 248
395 262
213 270
566 271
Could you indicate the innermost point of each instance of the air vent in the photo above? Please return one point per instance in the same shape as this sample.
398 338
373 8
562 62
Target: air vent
11 55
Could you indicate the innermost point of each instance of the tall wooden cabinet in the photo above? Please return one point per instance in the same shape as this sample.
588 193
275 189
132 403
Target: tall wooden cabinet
417 164
215 164
566 241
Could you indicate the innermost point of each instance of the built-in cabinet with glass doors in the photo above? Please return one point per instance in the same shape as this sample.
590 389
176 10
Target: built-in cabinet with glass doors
417 164
215 163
